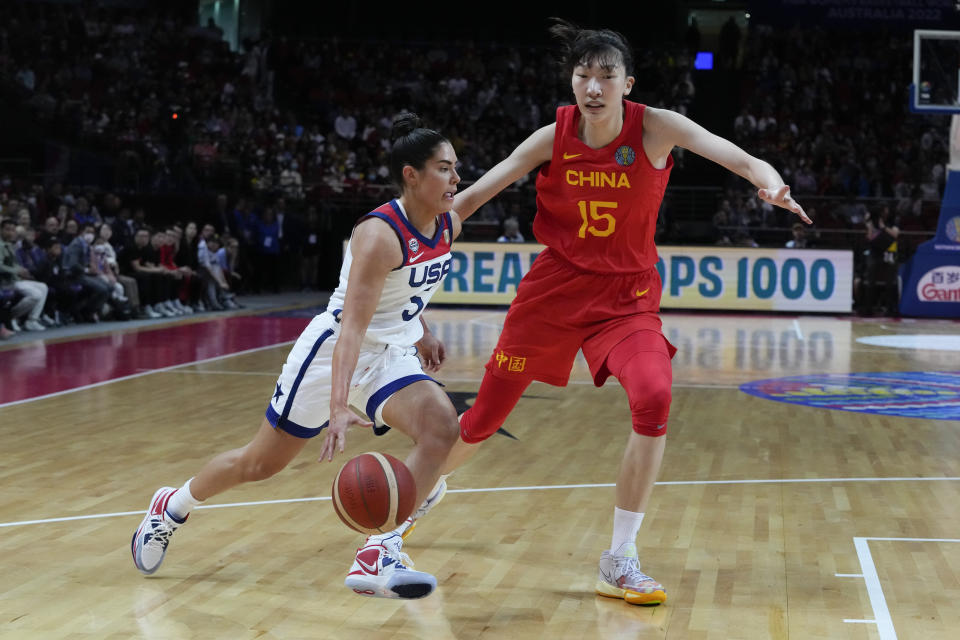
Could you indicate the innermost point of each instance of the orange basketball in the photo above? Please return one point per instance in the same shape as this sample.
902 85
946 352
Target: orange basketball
373 493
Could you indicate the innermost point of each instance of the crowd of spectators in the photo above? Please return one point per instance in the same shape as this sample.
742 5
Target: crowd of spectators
68 258
831 114
283 116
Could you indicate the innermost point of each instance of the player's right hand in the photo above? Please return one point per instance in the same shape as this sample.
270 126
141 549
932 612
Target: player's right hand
336 438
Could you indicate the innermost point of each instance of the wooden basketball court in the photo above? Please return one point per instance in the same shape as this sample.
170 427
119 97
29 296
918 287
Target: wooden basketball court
771 519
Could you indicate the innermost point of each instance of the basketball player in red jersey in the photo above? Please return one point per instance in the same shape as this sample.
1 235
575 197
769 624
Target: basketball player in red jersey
604 166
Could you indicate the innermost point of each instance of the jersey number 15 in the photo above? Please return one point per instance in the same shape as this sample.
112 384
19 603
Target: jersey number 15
603 225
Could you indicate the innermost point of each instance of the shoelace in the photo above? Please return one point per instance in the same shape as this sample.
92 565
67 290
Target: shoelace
629 568
161 534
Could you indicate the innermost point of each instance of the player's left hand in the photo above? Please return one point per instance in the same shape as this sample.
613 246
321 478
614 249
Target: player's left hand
781 197
432 352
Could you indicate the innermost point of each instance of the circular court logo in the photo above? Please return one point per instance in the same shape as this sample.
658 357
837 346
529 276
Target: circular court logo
933 395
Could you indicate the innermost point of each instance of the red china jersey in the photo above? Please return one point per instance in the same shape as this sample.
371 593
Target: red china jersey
597 208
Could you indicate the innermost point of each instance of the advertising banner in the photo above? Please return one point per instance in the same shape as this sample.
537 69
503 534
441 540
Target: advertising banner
718 278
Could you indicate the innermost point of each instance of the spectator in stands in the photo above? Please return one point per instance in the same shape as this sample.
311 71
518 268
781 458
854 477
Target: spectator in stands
218 294
187 243
108 269
511 231
268 252
70 231
153 284
51 227
83 214
721 223
77 262
880 273
164 243
228 258
14 276
799 238
28 253
63 296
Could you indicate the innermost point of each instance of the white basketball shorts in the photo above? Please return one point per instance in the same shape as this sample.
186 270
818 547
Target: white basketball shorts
301 400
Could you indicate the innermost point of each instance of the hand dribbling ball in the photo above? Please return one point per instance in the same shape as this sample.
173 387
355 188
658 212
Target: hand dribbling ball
374 493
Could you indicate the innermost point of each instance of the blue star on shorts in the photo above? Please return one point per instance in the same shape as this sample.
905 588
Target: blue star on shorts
279 392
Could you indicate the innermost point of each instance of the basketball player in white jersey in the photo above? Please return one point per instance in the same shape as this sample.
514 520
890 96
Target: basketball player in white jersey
364 351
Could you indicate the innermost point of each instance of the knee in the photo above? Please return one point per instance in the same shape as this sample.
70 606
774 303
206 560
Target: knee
477 425
650 409
443 430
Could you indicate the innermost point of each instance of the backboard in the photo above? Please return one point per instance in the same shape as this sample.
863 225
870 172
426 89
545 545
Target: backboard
936 72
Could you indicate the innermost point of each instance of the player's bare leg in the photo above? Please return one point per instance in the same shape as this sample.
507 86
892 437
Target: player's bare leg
270 451
424 413
619 574
638 471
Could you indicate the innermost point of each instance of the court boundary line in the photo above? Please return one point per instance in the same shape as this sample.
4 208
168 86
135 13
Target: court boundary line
142 373
878 601
605 485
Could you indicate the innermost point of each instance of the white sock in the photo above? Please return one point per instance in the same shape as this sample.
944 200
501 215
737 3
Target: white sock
182 502
626 524
440 481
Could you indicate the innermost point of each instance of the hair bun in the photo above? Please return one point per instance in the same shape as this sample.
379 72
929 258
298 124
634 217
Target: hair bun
404 124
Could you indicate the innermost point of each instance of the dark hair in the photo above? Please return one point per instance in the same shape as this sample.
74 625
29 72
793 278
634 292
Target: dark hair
590 46
410 144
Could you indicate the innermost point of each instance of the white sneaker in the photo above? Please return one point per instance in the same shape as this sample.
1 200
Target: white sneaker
381 570
164 310
150 541
33 325
15 326
406 528
620 577
149 311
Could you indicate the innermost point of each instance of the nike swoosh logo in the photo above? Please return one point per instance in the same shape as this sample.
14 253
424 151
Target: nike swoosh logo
570 156
370 568
416 257
640 294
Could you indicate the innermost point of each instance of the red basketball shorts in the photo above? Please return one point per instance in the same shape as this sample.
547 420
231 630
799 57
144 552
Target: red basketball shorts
559 310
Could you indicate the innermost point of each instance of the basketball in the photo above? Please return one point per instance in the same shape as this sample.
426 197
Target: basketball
373 493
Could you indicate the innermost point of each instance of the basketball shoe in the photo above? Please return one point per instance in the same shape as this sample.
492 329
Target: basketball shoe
382 570
407 527
620 577
149 543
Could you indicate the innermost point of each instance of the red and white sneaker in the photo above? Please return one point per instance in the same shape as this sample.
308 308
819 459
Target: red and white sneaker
381 570
620 577
150 541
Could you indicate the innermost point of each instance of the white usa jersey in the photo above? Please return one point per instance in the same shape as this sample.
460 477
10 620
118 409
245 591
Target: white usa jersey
409 287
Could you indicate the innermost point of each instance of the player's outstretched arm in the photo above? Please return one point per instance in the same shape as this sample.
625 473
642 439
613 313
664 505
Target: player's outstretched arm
664 129
530 154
